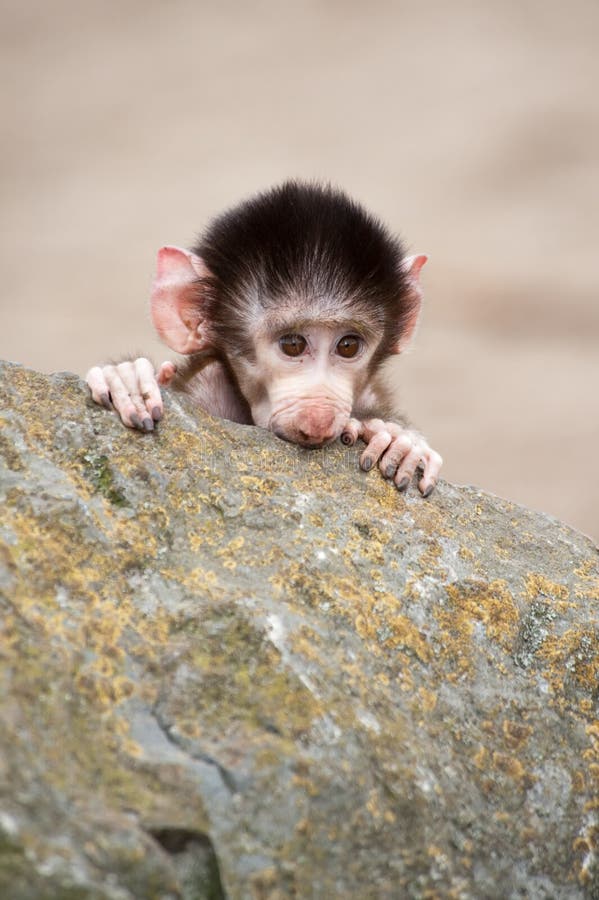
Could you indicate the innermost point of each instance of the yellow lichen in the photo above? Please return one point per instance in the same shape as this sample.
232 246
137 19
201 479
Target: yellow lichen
576 651
380 621
515 734
490 604
481 758
538 584
426 700
586 569
510 766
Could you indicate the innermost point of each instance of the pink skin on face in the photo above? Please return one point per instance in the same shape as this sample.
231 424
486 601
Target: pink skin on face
306 399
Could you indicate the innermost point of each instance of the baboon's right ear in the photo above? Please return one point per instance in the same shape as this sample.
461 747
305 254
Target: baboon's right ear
177 302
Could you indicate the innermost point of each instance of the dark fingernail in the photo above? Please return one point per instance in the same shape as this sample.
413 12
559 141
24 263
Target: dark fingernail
105 398
347 439
136 421
428 491
157 414
148 424
390 471
367 464
403 484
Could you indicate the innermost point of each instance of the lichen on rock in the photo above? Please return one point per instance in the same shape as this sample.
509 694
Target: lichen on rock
230 667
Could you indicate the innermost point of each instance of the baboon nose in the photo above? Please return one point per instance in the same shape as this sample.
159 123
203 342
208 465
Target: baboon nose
314 439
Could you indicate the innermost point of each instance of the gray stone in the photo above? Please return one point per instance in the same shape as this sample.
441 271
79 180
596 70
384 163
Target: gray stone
233 668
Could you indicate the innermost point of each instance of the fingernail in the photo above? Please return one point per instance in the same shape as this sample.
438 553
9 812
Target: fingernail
148 424
105 398
136 421
367 464
157 414
429 490
347 439
403 484
389 471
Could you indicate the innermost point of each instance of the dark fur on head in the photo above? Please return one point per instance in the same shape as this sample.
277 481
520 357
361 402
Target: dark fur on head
301 247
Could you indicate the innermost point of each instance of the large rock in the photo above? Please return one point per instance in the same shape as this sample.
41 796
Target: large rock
233 668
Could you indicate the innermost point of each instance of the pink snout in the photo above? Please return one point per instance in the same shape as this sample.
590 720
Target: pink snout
310 428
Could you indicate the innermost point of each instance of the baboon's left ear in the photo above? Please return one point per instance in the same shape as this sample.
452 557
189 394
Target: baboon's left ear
411 266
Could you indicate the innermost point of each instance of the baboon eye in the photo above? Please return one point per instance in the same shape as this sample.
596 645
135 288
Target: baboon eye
348 346
292 344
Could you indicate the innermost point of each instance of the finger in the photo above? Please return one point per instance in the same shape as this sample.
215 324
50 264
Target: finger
370 427
140 418
405 471
121 399
397 450
351 432
432 466
375 448
148 388
98 387
166 373
120 396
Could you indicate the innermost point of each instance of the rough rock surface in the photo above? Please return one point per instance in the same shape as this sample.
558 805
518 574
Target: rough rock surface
233 668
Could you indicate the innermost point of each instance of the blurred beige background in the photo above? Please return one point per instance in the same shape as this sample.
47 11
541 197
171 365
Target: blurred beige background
471 128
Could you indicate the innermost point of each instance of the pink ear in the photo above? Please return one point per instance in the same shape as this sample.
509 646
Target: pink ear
176 300
412 266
